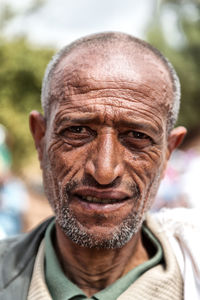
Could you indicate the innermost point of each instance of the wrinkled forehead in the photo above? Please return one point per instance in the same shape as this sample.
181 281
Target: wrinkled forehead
88 68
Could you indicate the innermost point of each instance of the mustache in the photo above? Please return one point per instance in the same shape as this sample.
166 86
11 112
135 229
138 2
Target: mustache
131 187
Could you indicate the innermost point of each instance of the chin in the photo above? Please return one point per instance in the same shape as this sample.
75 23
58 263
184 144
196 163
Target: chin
98 236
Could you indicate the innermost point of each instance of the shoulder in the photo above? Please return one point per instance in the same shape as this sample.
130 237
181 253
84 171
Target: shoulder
17 254
182 228
25 239
180 225
5 245
179 220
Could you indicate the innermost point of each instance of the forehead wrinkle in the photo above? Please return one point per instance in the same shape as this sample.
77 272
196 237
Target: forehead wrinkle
148 114
147 109
92 111
93 107
124 103
77 118
69 94
113 98
76 86
113 103
93 85
126 94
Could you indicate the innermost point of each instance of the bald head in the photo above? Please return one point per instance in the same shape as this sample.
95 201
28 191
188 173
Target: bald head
106 49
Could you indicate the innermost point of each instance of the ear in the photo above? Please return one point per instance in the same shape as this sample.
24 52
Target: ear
175 138
38 128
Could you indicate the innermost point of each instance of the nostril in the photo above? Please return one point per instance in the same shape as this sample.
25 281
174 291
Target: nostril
89 180
104 174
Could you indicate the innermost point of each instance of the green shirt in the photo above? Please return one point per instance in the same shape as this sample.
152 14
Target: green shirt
61 288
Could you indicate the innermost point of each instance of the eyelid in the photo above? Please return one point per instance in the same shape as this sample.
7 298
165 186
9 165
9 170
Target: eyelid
139 133
125 137
67 127
75 127
88 132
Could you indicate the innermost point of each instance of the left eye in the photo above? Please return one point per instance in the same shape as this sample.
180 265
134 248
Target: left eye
76 129
137 135
135 140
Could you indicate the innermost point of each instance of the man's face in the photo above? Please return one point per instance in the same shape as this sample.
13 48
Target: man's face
105 147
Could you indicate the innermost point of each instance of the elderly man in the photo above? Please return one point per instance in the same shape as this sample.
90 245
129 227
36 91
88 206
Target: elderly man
110 105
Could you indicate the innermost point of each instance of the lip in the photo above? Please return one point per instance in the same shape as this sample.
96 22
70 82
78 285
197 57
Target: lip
100 208
111 194
119 199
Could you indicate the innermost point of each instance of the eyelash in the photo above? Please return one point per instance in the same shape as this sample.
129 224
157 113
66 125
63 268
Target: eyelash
77 132
139 135
74 128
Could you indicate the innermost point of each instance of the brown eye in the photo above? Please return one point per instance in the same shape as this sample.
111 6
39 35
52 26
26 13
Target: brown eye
138 135
77 135
76 129
135 140
76 132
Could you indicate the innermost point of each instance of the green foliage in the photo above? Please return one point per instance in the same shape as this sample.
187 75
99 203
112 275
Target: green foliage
6 14
22 68
185 57
21 72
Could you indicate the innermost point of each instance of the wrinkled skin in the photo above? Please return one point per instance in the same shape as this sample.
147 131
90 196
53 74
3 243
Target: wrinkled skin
105 136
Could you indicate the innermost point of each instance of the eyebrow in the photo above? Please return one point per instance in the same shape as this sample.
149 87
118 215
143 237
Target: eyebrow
87 118
144 126
94 119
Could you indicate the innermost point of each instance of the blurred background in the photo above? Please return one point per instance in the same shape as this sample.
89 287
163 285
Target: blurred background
31 32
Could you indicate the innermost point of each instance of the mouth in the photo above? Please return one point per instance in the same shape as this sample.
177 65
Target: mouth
91 199
90 195
88 201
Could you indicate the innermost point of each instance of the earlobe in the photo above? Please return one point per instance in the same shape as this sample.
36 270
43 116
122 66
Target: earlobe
38 128
175 138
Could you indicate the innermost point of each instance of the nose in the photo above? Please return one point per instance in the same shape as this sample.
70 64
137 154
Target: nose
105 163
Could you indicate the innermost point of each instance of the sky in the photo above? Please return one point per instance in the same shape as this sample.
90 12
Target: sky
59 22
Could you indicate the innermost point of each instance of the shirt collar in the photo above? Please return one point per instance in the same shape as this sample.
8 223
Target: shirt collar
62 288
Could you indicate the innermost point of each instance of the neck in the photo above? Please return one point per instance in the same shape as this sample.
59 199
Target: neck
94 269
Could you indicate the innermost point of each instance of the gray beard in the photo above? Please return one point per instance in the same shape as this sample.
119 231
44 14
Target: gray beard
80 235
117 239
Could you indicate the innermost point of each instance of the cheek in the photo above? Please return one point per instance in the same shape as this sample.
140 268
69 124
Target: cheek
146 170
67 163
145 167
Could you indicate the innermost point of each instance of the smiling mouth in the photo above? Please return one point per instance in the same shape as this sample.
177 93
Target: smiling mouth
91 199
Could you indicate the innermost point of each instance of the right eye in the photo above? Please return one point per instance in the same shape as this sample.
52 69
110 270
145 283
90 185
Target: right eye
77 135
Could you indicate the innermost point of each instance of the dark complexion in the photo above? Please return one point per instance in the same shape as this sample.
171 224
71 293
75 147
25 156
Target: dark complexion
103 151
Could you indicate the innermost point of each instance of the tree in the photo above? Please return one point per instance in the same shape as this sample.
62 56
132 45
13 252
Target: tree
184 55
21 72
